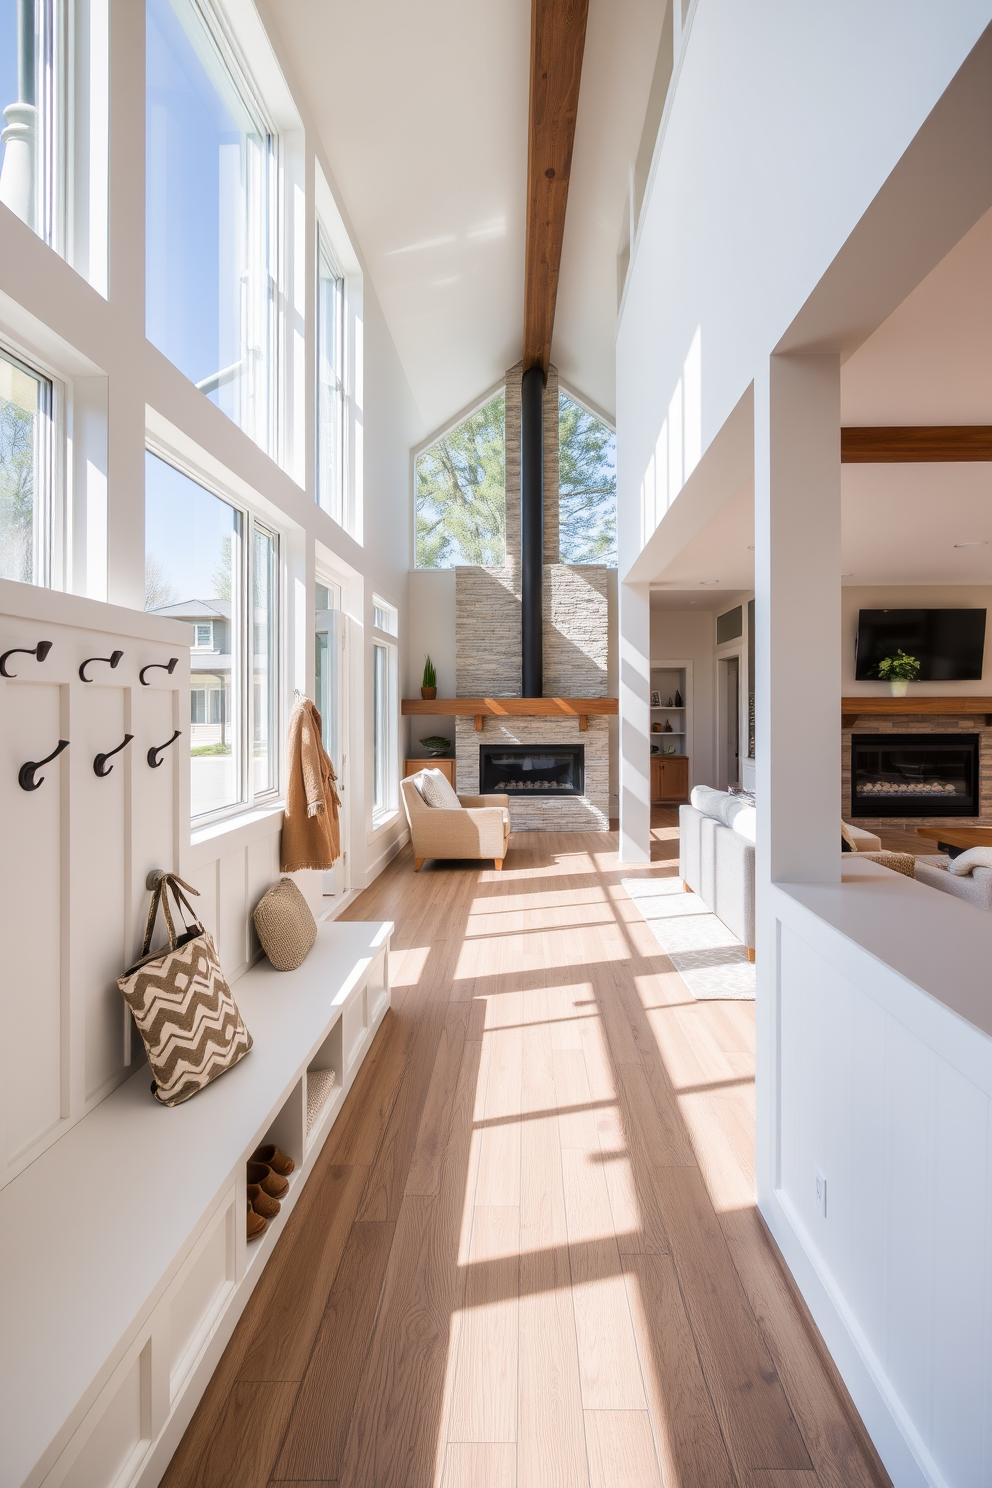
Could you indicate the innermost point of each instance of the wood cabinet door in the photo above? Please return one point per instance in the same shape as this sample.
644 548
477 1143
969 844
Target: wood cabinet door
670 778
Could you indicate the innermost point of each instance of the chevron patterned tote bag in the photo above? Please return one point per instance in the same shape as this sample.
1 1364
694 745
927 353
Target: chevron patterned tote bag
186 1015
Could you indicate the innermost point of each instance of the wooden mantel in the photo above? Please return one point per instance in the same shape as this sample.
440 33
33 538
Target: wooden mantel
511 707
853 708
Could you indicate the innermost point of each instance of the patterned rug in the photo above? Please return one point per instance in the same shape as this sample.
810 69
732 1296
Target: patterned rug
712 963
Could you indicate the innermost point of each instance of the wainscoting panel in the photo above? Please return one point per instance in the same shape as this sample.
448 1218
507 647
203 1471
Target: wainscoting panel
77 848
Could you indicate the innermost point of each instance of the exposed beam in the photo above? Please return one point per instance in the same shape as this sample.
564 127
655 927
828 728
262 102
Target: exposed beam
915 443
557 39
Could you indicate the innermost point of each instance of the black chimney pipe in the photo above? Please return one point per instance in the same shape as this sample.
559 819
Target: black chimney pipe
532 532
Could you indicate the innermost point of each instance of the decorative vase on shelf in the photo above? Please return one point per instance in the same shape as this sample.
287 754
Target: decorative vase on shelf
899 686
428 693
668 727
678 698
670 703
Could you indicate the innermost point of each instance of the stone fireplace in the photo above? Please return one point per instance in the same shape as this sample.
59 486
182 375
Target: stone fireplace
575 652
920 753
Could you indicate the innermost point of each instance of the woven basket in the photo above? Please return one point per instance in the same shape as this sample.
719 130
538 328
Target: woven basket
285 925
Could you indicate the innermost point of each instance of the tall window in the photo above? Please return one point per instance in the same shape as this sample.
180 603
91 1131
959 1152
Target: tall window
331 473
460 493
27 516
587 486
209 296
32 94
381 728
212 565
385 706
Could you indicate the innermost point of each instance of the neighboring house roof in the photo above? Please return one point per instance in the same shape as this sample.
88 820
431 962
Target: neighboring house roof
196 609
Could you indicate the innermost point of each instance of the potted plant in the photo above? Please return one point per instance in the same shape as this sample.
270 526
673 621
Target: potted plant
429 686
898 670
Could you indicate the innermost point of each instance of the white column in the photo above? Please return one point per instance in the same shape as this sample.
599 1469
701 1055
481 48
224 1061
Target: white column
797 654
635 718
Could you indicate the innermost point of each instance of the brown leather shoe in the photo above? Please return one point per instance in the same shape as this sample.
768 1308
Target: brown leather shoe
256 1224
277 1161
261 1202
262 1174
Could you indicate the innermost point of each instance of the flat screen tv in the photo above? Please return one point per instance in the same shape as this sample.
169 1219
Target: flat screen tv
948 644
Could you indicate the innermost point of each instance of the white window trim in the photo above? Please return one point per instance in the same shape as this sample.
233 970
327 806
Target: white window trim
251 516
344 517
56 564
383 815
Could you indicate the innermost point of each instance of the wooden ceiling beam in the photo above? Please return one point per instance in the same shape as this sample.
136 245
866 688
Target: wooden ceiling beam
915 443
557 41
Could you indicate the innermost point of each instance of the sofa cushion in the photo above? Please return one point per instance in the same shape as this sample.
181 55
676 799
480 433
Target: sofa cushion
435 787
974 857
731 809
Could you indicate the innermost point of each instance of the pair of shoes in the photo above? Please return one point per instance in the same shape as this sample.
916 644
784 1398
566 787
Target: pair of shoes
256 1224
267 1179
276 1160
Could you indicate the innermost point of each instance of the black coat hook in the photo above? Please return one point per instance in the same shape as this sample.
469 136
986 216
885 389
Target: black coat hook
153 754
111 660
166 666
25 775
41 651
100 766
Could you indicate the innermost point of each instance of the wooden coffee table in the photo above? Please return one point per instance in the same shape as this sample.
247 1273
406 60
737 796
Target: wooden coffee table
961 837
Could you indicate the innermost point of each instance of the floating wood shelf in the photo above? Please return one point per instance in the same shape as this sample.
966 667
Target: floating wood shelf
482 708
853 708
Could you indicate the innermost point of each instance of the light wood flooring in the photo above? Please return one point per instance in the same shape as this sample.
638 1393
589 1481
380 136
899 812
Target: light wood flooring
529 1255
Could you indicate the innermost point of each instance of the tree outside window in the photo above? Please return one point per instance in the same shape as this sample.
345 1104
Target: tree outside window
587 486
460 498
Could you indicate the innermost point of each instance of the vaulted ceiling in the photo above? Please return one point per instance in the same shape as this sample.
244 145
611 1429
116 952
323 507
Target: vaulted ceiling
422 108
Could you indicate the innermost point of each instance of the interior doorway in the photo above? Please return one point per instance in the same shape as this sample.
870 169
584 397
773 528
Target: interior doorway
730 722
330 694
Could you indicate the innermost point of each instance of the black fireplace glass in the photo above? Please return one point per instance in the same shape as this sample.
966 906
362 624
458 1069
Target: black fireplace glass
532 769
931 775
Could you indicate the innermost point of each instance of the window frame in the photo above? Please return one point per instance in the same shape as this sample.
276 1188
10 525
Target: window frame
385 641
244 704
54 441
339 509
265 421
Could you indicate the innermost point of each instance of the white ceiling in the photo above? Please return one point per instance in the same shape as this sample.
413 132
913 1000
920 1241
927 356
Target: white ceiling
422 111
930 362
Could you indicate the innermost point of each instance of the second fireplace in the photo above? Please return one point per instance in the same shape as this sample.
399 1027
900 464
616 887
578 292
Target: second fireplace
532 769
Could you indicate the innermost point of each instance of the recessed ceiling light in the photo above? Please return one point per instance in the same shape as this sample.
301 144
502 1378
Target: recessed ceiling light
978 543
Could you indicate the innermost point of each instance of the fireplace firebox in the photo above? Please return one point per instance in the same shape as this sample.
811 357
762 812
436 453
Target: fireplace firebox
914 775
532 769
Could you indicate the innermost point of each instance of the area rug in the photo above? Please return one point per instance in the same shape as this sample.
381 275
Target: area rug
712 963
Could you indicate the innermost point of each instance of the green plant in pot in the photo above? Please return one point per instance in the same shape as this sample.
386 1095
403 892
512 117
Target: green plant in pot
898 670
429 686
436 744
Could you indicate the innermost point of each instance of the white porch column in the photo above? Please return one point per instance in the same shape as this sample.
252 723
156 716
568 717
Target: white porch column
797 654
635 719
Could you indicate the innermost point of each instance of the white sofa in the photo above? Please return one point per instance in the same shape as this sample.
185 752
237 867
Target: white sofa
716 856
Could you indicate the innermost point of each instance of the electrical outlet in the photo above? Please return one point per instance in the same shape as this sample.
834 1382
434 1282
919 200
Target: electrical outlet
821 1191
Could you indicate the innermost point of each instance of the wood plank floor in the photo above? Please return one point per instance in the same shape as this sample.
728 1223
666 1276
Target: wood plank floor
528 1256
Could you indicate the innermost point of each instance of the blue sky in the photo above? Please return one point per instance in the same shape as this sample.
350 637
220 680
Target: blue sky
8 52
184 529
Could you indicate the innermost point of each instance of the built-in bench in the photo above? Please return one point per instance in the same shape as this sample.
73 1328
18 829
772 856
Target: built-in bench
123 1259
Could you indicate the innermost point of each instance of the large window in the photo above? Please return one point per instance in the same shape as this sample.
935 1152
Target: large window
214 566
385 707
210 234
28 527
31 93
587 486
331 468
460 495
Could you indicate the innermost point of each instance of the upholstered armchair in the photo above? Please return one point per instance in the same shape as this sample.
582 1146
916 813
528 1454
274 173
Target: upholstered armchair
480 828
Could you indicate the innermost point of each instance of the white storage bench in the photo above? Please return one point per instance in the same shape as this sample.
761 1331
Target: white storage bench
123 1260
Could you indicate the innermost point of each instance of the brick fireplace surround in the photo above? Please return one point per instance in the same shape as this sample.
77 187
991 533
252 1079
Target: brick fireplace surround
921 724
576 645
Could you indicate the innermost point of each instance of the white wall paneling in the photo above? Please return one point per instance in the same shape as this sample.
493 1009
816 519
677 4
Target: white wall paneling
887 1092
77 850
